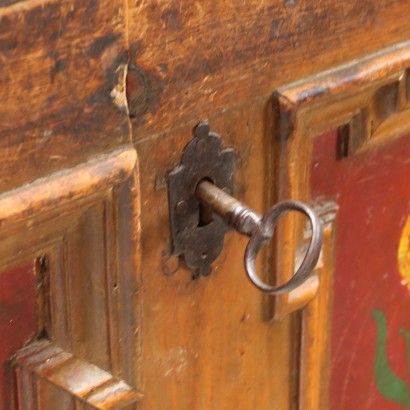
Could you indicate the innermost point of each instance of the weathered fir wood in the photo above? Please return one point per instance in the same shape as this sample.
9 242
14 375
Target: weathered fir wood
223 61
190 59
47 375
97 100
354 98
77 226
207 343
60 62
316 323
360 100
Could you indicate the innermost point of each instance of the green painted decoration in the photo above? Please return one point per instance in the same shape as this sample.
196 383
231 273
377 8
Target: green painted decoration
406 334
389 385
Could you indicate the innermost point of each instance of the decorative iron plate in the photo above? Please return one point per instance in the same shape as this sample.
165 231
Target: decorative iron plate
203 158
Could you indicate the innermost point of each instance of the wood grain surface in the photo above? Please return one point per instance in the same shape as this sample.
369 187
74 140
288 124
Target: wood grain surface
79 79
189 59
59 62
222 61
207 343
78 228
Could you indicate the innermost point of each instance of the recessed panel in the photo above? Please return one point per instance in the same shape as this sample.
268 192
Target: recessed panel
18 318
370 327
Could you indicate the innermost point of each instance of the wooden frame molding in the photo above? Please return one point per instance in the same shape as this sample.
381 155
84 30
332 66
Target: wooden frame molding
71 184
43 367
368 102
80 227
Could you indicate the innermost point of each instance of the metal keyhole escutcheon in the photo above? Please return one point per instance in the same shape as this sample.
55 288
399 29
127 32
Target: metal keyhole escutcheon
202 211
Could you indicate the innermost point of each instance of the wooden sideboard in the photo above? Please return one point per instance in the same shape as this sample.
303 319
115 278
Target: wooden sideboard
98 99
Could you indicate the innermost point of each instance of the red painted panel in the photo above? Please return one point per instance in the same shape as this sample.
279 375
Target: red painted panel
373 192
18 319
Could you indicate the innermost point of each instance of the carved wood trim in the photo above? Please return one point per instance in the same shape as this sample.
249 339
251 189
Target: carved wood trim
368 102
316 318
68 185
45 367
81 229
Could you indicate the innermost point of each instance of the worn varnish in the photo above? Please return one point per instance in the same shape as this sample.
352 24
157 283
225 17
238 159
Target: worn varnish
97 100
177 76
77 227
60 61
366 102
234 345
190 59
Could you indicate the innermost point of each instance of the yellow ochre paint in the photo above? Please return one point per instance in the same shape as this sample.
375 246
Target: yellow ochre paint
404 254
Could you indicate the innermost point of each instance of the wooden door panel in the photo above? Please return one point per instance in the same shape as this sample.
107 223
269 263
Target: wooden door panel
208 343
75 228
370 326
222 62
82 80
63 67
363 109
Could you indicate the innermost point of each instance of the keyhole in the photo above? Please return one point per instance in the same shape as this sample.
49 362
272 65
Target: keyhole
205 211
205 215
